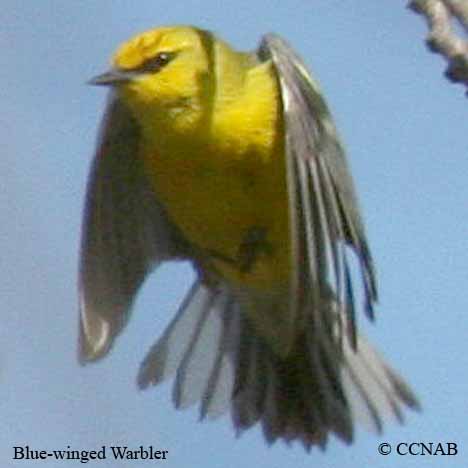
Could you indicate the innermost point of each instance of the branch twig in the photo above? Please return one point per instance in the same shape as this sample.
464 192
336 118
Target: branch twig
443 38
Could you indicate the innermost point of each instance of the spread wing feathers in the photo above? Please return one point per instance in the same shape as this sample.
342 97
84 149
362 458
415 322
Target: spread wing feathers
197 346
219 361
325 217
124 234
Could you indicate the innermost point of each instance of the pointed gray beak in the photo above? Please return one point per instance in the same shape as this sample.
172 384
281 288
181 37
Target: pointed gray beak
111 78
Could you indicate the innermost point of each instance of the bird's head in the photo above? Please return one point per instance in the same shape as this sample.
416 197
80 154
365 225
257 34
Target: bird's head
165 68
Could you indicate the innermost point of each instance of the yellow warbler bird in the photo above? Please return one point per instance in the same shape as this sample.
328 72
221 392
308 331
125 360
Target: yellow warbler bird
231 160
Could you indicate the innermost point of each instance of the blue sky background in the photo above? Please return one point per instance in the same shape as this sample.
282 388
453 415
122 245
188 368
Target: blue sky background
405 130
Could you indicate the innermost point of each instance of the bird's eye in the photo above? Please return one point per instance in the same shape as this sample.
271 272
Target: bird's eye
159 61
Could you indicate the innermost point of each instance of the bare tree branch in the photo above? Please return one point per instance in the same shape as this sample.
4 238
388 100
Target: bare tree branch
443 38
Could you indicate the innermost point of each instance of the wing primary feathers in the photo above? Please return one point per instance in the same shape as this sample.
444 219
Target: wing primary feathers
309 248
312 137
165 355
363 393
125 233
391 385
183 371
199 361
359 244
370 287
225 345
333 228
350 309
335 233
320 224
248 410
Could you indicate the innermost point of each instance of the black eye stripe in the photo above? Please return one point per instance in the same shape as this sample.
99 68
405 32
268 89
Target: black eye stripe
155 64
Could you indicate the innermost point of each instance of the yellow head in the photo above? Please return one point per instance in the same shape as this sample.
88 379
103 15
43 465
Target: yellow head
162 70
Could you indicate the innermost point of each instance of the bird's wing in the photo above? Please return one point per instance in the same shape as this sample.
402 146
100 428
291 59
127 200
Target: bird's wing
325 220
125 233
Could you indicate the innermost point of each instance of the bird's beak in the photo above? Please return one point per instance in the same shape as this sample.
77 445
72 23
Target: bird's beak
111 78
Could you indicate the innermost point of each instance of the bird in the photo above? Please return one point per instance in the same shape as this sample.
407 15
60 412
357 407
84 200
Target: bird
231 161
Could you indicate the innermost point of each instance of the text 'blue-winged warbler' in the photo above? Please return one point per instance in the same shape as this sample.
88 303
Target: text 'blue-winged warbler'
231 161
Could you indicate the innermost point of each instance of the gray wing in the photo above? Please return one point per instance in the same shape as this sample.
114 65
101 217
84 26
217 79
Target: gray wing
125 234
325 218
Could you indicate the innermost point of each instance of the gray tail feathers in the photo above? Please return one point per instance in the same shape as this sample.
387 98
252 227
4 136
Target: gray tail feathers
320 387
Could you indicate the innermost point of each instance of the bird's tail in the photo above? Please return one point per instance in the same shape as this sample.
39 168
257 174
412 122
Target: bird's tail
320 387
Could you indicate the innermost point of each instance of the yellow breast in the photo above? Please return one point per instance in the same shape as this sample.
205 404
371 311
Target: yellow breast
224 185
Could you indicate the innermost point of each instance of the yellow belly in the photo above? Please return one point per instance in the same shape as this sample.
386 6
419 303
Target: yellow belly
220 203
